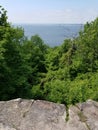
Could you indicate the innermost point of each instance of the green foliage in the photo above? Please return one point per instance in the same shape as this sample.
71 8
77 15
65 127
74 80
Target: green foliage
30 69
72 68
13 67
35 55
3 17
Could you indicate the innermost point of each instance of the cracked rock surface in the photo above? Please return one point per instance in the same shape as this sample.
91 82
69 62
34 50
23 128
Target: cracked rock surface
20 114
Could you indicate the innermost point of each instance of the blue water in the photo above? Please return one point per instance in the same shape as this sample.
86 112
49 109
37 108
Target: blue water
53 34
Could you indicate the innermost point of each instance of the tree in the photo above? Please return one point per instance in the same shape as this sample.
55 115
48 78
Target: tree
88 47
35 51
14 69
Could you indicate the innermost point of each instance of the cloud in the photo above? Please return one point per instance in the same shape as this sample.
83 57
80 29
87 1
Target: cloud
53 16
79 16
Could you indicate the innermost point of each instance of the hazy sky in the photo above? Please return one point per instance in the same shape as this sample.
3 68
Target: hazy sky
51 11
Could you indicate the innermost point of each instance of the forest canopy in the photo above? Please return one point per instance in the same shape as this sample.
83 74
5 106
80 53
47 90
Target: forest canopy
64 74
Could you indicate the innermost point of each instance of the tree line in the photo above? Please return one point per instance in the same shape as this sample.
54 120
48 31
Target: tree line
31 69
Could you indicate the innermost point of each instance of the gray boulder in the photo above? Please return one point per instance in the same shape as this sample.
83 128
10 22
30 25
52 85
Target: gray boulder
20 114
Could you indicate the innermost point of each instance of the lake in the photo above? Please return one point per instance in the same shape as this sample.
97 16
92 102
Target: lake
52 34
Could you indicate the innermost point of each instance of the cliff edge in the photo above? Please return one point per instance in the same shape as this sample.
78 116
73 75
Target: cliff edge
21 114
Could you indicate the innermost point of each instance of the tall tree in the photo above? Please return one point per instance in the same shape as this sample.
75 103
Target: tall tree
13 68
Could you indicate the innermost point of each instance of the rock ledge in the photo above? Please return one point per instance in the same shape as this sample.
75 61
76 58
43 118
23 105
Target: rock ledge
21 114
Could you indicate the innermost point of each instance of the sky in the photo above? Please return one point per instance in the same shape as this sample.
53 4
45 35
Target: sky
50 11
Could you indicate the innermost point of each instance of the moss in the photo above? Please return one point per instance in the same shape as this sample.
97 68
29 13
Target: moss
67 114
82 117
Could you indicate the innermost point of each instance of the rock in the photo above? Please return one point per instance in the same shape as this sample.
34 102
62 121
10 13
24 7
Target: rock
20 114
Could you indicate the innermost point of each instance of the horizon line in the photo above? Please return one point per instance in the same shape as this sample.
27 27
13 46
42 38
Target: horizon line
46 23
